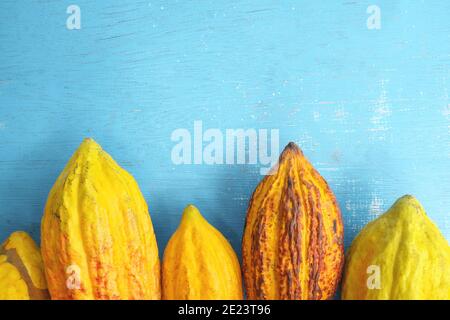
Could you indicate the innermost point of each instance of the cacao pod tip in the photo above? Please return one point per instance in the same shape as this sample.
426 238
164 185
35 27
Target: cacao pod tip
191 212
88 145
407 202
408 197
89 142
292 145
17 236
291 149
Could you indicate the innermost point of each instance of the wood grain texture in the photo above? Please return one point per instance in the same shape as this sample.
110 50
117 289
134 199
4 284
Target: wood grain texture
369 108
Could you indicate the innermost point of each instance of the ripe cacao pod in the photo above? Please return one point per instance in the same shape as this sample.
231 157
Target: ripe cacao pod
97 235
21 269
199 263
401 255
293 239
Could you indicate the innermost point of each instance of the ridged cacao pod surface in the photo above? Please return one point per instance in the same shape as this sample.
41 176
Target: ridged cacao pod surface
401 255
199 263
21 269
293 239
97 236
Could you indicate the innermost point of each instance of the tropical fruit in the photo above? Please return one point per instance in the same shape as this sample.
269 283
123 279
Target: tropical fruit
199 263
97 235
21 269
401 255
293 239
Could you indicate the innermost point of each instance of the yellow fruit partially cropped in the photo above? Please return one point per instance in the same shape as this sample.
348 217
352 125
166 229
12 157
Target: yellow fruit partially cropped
401 255
21 269
199 263
97 235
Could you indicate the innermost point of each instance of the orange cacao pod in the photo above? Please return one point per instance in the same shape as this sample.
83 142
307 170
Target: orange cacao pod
293 239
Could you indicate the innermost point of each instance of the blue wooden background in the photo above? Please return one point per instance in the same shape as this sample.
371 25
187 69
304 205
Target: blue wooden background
370 108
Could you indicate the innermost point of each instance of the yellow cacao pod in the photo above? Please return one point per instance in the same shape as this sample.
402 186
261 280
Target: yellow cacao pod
293 239
21 269
97 235
199 263
401 255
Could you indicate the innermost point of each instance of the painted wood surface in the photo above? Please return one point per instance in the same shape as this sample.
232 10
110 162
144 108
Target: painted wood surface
370 108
